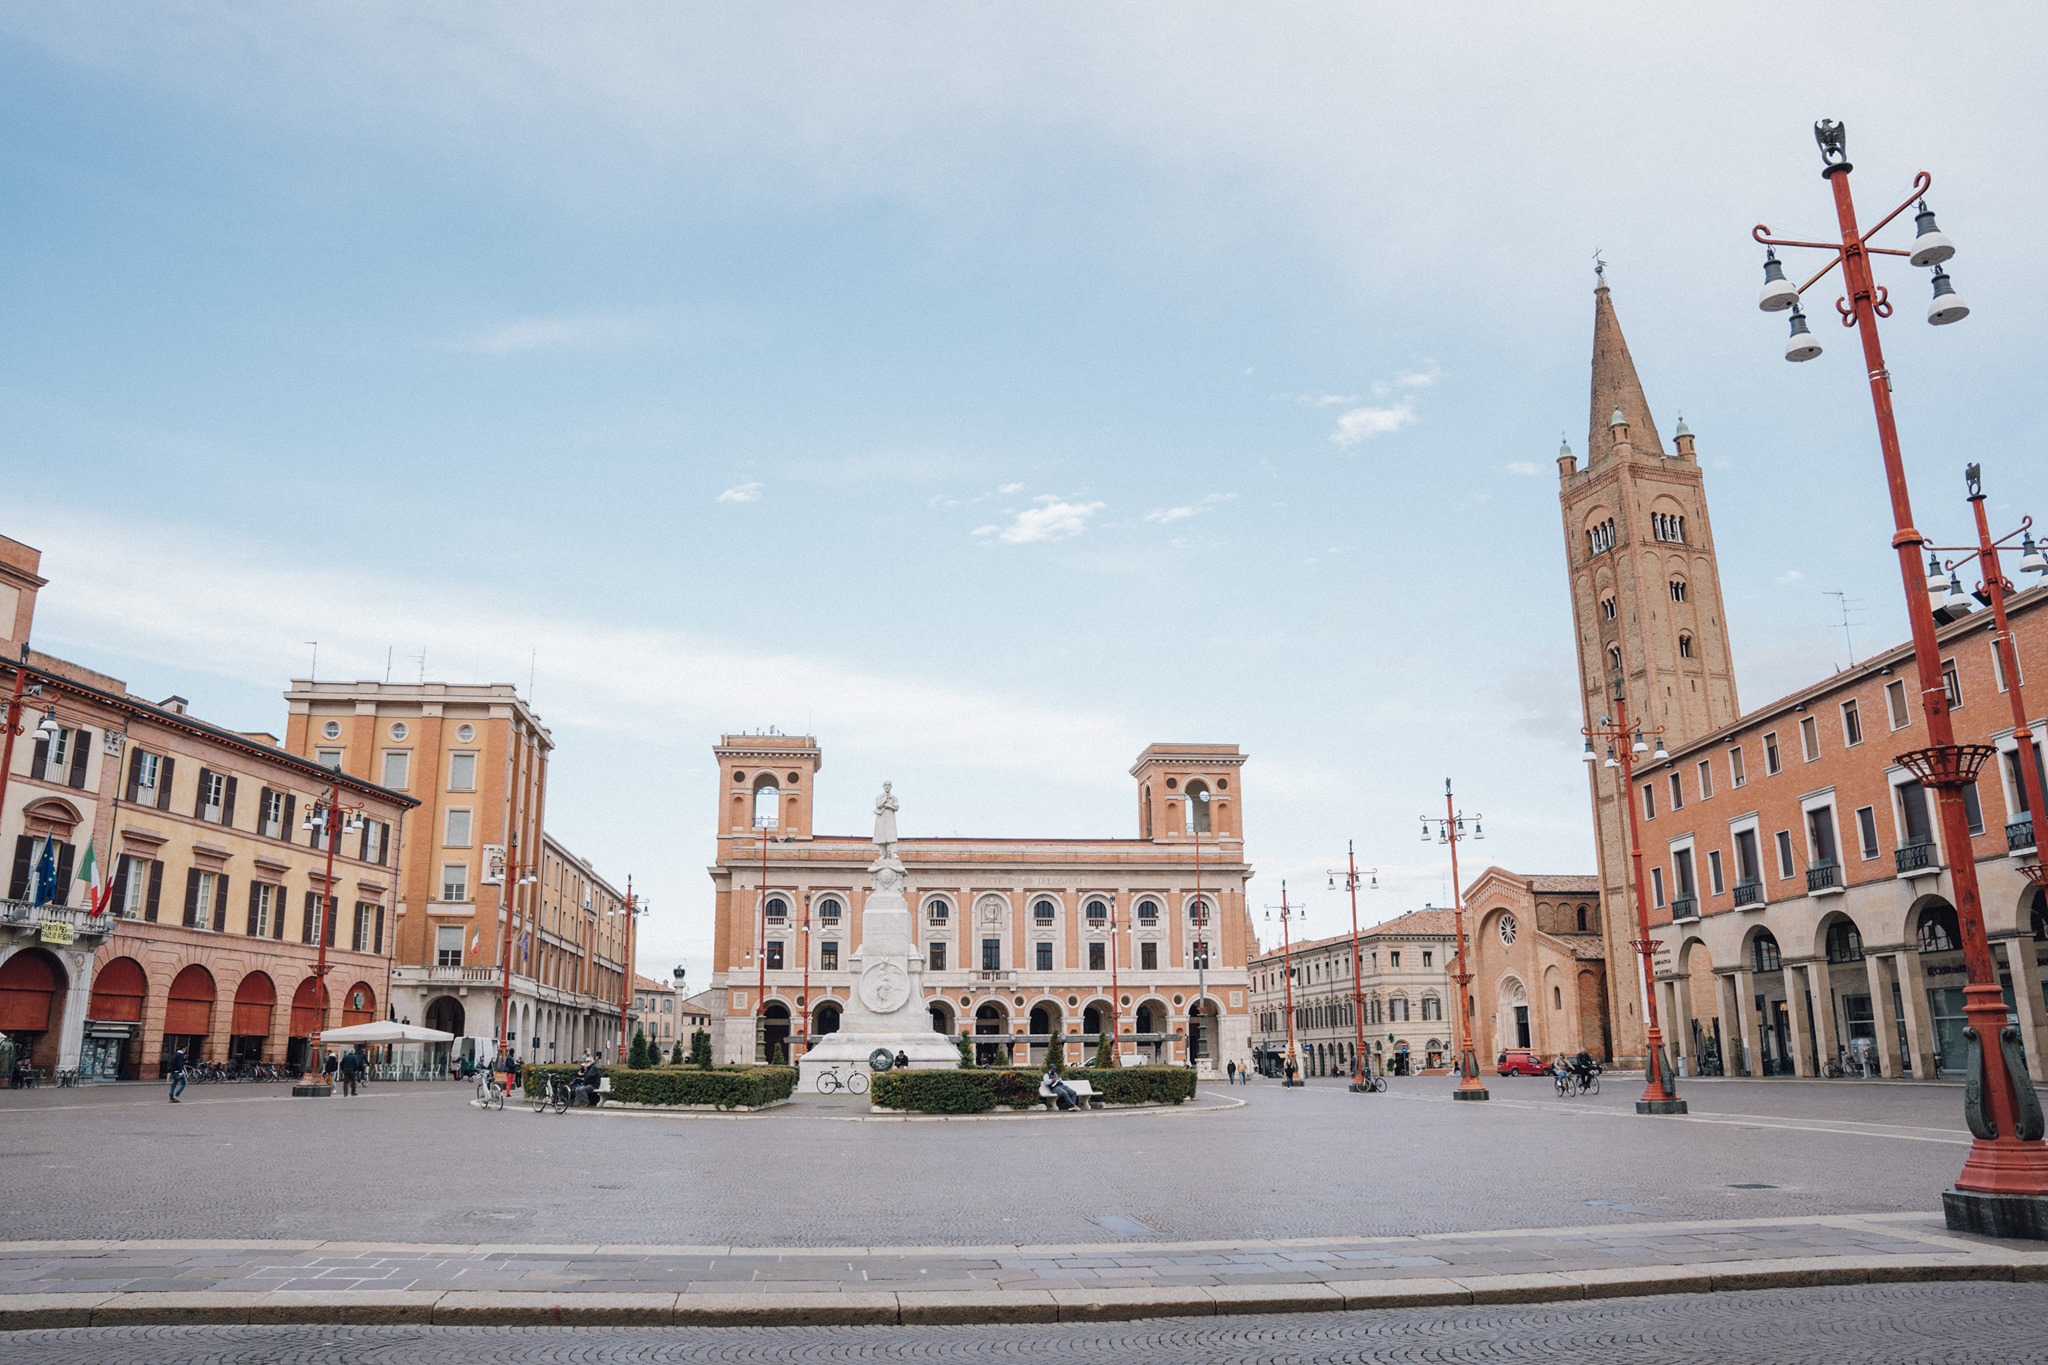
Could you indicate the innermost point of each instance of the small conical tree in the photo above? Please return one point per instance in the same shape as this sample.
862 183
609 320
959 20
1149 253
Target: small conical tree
675 1054
966 1052
1105 1055
1056 1055
781 1055
636 1057
700 1049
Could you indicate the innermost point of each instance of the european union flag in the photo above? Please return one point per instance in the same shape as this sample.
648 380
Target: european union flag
46 872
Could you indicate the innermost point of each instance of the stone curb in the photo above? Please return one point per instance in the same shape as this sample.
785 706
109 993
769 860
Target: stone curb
767 1308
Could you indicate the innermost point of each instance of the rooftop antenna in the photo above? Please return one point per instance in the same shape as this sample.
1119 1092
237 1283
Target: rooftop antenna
532 665
313 675
422 657
1848 604
387 661
1599 266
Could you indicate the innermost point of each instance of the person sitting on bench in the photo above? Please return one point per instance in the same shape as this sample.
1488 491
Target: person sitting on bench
1061 1091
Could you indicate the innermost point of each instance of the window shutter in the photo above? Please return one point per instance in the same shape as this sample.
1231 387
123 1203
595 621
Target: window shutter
156 888
163 783
333 908
119 891
65 852
379 948
220 903
227 805
199 796
81 745
134 774
306 924
384 843
24 851
255 894
291 813
40 764
191 898
277 914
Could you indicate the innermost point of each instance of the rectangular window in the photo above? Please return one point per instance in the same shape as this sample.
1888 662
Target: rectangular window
448 945
1098 958
397 769
1852 724
1044 951
1809 738
1973 807
456 834
1677 792
1773 762
1895 704
1784 840
1913 814
991 954
937 960
828 956
368 936
1681 873
262 909
1649 802
1714 878
328 758
275 823
1148 956
1748 867
1998 667
1426 955
774 959
134 885
1820 832
213 795
375 834
1736 773
1952 683
1866 831
1394 961
1706 771
462 772
455 882
199 895
145 772
1657 886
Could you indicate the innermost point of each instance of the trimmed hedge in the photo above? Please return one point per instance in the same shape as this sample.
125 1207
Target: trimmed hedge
977 1092
727 1087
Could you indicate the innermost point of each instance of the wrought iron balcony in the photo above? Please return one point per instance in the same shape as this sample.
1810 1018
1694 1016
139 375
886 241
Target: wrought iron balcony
1914 858
2019 834
1823 877
1749 893
1685 907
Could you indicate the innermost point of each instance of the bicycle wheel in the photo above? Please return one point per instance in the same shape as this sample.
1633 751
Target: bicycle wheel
558 1097
857 1083
1593 1085
539 1098
498 1098
828 1081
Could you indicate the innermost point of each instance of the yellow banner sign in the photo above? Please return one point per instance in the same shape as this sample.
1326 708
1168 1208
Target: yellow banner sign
57 931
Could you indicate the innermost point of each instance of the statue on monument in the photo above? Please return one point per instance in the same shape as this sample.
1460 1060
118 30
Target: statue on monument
885 821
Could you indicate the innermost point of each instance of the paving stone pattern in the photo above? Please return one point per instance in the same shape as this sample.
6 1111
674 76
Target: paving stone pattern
1965 1324
415 1163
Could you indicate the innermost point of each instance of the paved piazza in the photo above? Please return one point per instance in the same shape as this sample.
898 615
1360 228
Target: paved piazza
417 1164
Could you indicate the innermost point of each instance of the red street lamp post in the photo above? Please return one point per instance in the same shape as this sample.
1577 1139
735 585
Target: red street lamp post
1660 1093
1352 879
1287 979
1992 591
2002 1189
326 814
515 877
632 910
1449 830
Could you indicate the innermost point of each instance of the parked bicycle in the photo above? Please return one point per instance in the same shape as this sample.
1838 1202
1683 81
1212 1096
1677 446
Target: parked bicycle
552 1094
830 1082
1374 1083
489 1093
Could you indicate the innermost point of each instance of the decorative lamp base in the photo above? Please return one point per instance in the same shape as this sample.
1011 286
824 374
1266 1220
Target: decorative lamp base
1477 1092
1660 1106
2023 1216
312 1090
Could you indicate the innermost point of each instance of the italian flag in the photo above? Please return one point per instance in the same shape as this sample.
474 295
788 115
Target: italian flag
95 877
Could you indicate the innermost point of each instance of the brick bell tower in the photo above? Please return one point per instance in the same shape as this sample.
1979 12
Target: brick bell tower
1647 611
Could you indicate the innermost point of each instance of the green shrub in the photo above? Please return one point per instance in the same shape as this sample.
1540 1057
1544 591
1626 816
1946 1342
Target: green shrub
725 1086
636 1057
781 1055
1056 1055
978 1091
966 1052
700 1048
1105 1053
675 1054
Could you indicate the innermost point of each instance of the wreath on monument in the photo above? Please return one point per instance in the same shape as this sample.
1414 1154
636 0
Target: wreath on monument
881 1059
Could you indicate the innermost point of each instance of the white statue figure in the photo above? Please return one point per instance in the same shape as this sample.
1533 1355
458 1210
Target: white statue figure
885 821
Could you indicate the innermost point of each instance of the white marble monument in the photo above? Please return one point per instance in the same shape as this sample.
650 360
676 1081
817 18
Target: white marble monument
887 1011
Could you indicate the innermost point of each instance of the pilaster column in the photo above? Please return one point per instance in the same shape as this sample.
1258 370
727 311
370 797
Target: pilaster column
1880 971
1913 1004
1829 1031
1741 985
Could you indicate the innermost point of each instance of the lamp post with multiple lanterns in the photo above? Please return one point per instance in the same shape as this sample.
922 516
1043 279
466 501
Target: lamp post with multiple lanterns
1287 913
2002 1189
1449 830
1353 878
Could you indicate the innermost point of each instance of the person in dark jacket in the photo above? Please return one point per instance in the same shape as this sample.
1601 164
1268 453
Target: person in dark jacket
352 1066
176 1069
588 1078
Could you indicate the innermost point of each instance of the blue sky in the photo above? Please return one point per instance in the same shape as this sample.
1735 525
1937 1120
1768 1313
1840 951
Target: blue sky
989 391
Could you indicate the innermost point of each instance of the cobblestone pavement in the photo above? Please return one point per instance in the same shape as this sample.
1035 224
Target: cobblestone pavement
416 1164
1996 1324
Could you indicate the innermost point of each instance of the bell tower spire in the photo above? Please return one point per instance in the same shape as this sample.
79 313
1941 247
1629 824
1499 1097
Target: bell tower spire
1615 386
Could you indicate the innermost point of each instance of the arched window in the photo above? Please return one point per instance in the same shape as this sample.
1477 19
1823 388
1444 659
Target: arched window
1198 807
1582 919
767 802
1764 954
1684 646
1614 658
1678 589
1148 911
1198 911
778 908
1042 911
829 909
1845 942
1608 608
1939 931
1557 997
1098 912
938 911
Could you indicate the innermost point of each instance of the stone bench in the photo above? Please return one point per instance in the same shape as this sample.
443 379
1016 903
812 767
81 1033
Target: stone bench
1084 1095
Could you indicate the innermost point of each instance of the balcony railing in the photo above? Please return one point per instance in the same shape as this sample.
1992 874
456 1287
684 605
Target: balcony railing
1914 857
1685 907
1749 893
451 976
24 915
2019 834
1824 877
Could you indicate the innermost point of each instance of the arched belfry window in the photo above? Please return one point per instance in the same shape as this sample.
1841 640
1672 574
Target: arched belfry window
1198 807
1684 646
767 802
1678 589
1608 609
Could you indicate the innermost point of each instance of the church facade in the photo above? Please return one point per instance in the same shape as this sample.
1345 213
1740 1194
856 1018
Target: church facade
1025 942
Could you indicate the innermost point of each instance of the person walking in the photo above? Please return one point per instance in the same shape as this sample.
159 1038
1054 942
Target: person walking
351 1071
1230 1074
178 1077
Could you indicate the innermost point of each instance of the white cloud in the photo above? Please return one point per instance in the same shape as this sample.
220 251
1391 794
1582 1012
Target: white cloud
1054 518
1010 488
1420 379
546 334
1362 424
1790 576
1163 515
1523 467
741 492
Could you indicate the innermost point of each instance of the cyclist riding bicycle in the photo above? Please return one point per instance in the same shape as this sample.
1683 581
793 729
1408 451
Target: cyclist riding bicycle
1584 1067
